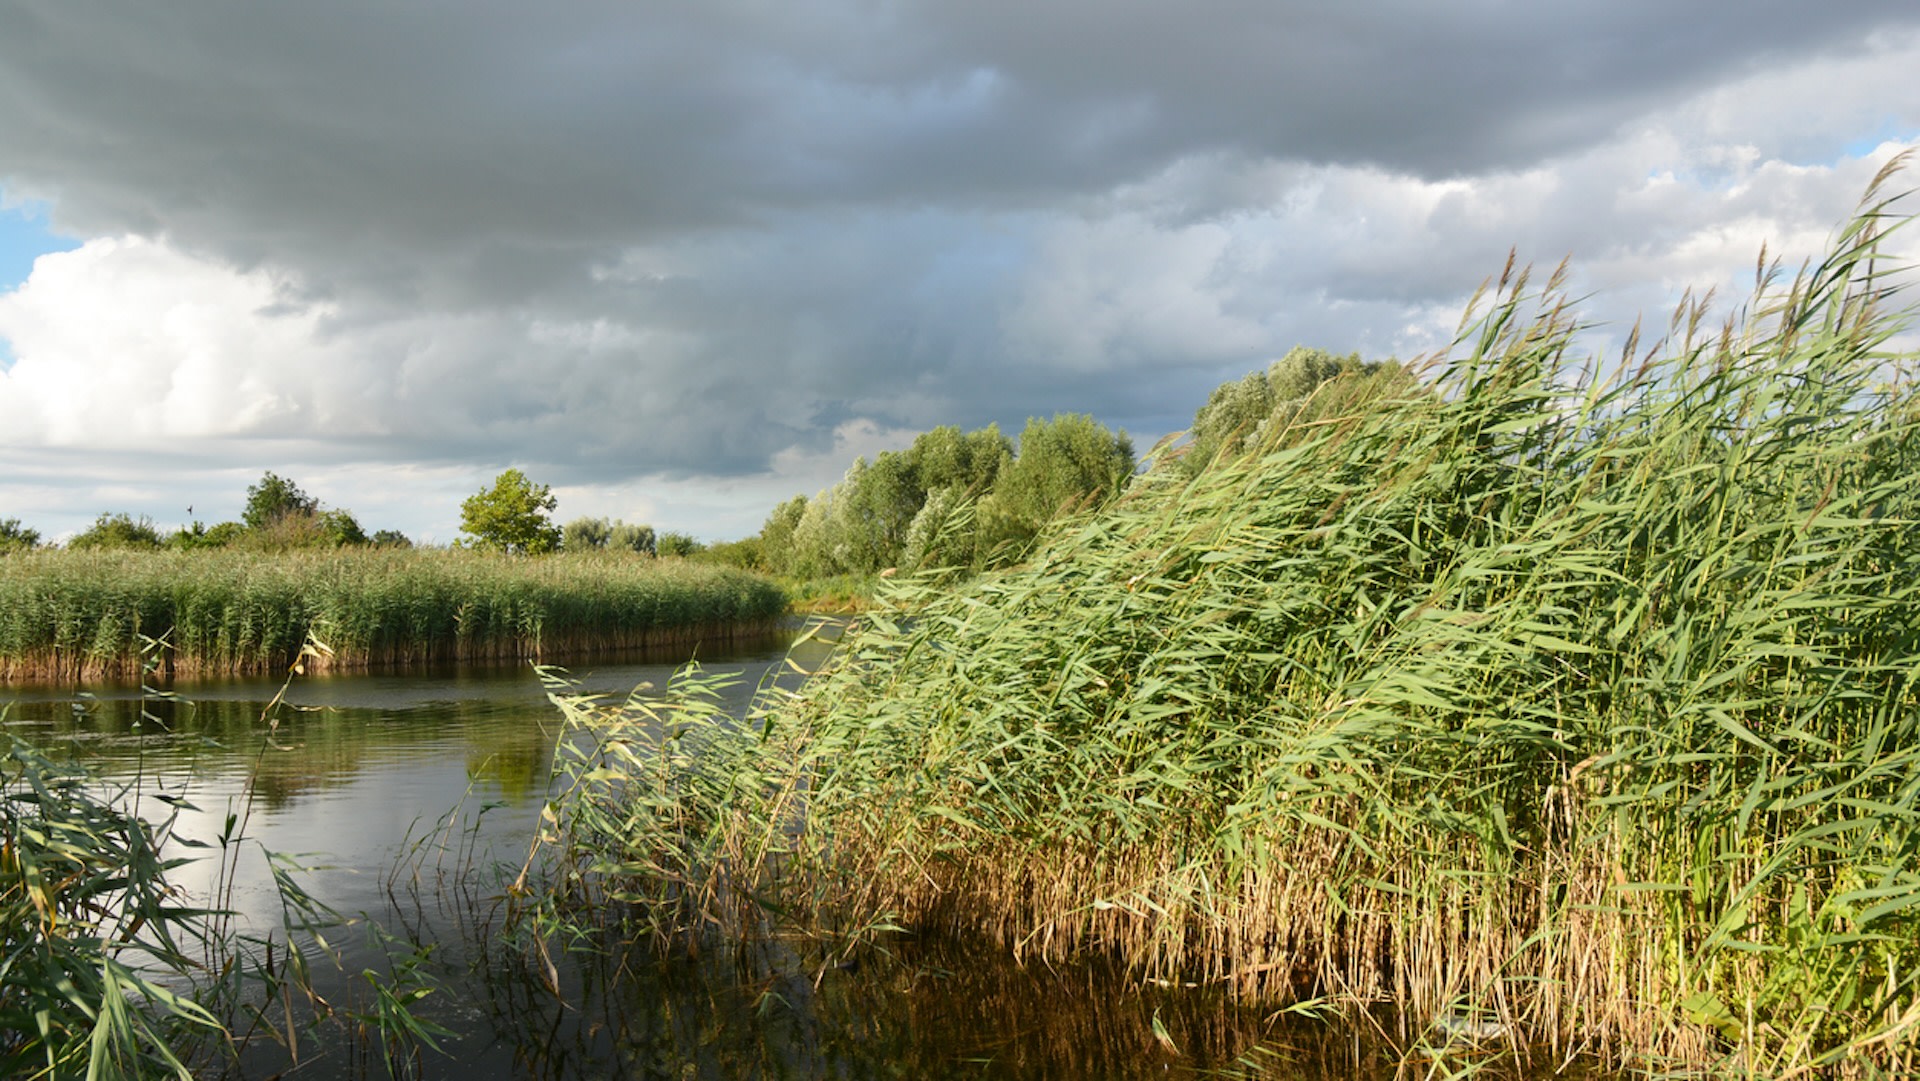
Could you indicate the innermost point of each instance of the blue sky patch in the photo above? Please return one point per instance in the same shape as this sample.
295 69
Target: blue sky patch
1867 144
25 235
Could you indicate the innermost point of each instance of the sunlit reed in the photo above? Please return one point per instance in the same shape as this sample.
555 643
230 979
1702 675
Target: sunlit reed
1572 702
81 615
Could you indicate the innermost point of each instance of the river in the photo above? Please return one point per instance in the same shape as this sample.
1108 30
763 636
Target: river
410 798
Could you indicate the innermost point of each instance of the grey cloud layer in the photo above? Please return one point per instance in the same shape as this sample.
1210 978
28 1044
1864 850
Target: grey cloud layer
683 239
493 128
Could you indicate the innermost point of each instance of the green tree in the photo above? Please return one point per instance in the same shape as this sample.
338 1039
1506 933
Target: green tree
222 535
118 531
948 458
622 537
189 538
776 536
678 544
941 535
15 537
338 528
390 538
588 534
1296 387
876 510
1064 464
811 553
511 516
275 498
746 554
584 534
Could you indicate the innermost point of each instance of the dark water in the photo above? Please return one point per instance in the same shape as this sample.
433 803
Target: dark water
411 798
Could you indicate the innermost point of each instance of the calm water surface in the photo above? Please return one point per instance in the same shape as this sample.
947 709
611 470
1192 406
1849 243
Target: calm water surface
411 797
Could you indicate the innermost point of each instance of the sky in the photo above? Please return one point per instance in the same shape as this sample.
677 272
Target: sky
683 260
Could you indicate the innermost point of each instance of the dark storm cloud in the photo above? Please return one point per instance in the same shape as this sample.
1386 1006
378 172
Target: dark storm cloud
500 141
612 239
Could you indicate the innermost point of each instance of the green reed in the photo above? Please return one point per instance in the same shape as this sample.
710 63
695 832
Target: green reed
70 615
1567 703
87 923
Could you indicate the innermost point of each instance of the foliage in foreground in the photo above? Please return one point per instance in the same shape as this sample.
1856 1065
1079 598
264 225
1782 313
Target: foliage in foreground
1573 707
88 925
82 614
109 969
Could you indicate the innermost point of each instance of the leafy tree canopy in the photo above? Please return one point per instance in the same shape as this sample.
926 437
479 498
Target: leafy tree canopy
192 538
118 531
339 528
511 516
622 537
678 544
275 498
589 534
584 534
1239 412
916 508
15 537
1066 463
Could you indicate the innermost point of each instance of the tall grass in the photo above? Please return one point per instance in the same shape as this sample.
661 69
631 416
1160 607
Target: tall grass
88 927
1568 701
75 615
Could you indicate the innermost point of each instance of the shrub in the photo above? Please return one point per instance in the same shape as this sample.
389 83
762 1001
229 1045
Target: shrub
118 531
678 544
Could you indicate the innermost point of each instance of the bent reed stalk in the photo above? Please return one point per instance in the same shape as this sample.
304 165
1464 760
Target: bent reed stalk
81 615
1579 706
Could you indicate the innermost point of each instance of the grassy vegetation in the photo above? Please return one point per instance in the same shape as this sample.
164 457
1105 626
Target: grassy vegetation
838 594
1573 704
89 928
80 614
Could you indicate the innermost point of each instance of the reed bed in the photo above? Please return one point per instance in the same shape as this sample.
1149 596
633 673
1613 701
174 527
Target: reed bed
1570 704
83 615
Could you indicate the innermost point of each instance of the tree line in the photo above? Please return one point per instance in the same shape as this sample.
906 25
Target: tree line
278 515
510 515
971 500
954 498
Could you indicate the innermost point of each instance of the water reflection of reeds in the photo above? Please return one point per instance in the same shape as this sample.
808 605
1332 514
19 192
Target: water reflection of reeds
922 1010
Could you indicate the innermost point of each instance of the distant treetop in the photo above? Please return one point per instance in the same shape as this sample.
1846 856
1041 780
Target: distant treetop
511 516
274 498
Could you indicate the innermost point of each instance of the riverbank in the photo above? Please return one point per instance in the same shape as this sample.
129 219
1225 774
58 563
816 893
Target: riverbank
68 616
